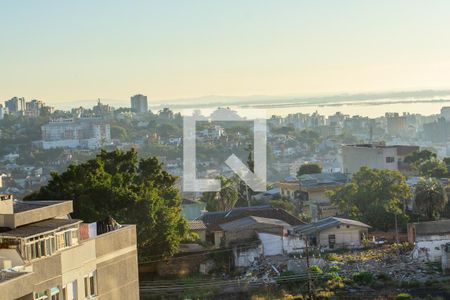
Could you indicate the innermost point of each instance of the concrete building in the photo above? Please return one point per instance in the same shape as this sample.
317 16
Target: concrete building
310 193
333 233
445 112
438 131
33 108
3 112
45 254
139 103
15 105
377 156
88 133
428 237
396 124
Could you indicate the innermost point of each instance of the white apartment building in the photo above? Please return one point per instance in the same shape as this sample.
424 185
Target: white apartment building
88 133
139 103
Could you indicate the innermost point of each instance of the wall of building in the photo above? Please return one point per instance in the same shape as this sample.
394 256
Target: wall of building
345 236
112 255
428 248
353 158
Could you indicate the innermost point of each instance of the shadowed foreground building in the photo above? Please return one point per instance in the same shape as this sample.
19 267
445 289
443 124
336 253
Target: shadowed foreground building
45 254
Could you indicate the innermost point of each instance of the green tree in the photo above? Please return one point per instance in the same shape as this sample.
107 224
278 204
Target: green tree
430 198
131 191
419 156
309 169
373 196
433 168
224 199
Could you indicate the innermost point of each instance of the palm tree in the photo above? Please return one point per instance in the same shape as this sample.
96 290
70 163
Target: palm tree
225 199
430 198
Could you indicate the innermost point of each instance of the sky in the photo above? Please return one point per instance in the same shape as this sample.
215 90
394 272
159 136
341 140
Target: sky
68 51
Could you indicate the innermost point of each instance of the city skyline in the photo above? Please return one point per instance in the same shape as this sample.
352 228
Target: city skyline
65 52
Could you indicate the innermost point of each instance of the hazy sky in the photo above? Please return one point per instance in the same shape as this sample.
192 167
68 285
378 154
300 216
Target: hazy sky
73 50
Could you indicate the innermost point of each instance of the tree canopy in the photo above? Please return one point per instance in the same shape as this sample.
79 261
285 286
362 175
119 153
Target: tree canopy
224 199
309 169
418 157
430 199
373 196
131 191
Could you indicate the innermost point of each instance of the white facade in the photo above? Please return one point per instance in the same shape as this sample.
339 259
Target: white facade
428 248
82 133
274 244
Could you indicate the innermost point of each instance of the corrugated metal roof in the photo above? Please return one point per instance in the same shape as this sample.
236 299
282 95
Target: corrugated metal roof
325 224
196 225
247 221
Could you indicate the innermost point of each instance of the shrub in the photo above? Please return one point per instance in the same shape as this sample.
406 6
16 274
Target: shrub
363 278
403 296
334 269
316 269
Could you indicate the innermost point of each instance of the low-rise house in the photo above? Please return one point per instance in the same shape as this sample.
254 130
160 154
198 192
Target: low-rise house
309 193
313 194
251 237
334 233
199 228
428 237
213 220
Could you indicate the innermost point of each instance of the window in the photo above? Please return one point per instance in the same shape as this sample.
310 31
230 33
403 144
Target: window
55 294
90 285
331 240
390 159
40 295
69 291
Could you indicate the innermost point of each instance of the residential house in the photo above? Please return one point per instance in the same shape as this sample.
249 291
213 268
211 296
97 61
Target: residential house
213 220
313 197
199 228
45 254
334 233
428 237
310 193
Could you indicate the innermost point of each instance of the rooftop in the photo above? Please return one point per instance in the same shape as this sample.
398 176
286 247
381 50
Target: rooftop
212 219
196 225
251 220
325 224
22 206
39 227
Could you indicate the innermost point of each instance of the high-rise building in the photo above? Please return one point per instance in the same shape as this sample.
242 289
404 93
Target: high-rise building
3 112
445 112
45 254
396 124
15 105
139 103
33 108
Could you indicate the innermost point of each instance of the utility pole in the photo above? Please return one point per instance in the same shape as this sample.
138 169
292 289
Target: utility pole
396 228
310 288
